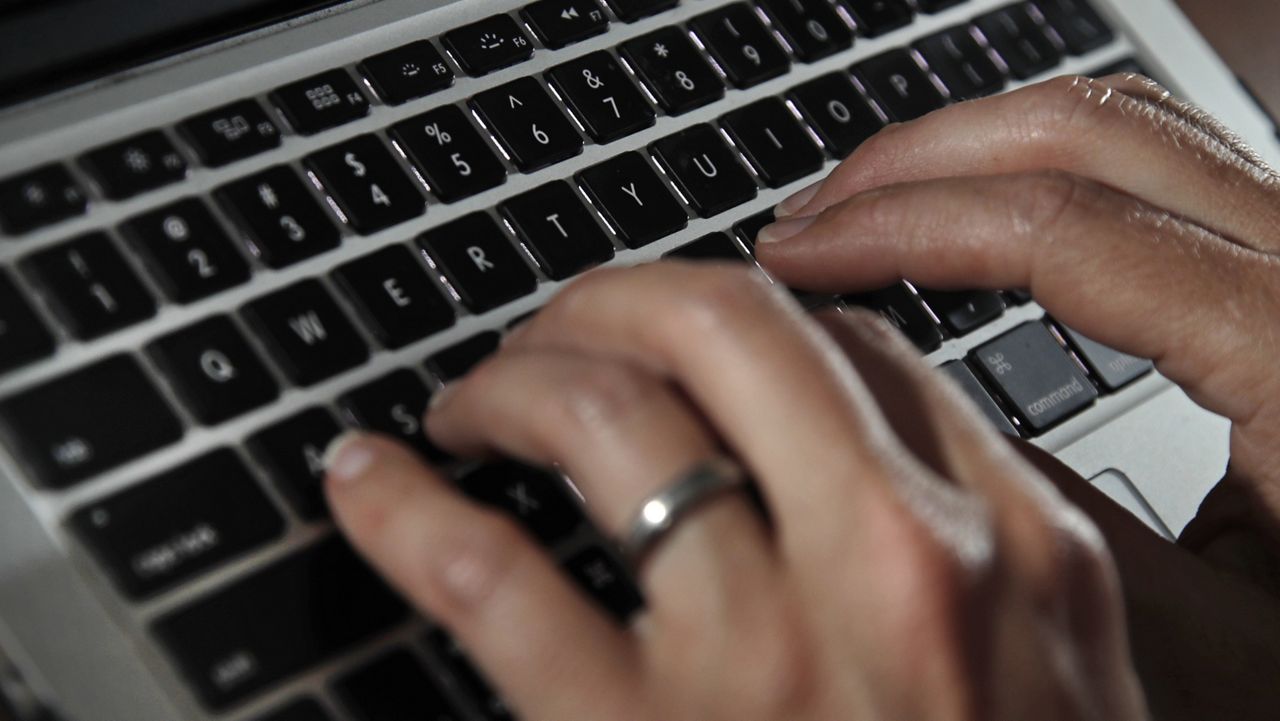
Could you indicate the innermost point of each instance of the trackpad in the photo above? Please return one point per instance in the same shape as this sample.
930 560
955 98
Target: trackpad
1120 489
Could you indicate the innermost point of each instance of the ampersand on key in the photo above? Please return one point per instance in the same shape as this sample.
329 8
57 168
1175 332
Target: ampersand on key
593 81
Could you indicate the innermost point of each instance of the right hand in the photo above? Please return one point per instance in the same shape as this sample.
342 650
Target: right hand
1143 223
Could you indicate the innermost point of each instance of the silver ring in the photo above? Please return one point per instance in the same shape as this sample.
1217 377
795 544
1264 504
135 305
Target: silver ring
660 512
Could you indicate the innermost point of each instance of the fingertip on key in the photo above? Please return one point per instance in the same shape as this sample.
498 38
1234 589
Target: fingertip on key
784 229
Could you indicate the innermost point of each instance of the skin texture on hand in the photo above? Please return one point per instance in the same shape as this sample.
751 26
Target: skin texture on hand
915 564
1112 191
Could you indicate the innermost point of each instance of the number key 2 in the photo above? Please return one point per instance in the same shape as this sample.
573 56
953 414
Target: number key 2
186 251
672 68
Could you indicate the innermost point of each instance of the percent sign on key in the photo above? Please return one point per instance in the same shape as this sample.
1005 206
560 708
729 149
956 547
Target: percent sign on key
441 137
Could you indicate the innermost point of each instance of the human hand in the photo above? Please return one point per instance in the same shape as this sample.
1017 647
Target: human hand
914 565
1143 223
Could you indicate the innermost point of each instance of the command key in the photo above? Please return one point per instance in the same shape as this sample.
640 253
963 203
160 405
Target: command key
1034 373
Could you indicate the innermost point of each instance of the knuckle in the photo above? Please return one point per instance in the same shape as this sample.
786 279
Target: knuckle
719 298
1045 200
474 567
601 395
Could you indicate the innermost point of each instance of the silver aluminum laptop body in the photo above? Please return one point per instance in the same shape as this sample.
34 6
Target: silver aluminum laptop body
86 651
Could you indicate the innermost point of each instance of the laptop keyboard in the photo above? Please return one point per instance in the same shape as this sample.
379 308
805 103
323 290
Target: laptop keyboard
279 621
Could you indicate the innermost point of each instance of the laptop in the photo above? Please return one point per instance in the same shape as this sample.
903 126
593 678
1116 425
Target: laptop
230 229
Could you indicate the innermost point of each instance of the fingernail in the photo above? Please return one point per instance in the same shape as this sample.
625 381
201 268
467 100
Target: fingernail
784 229
796 201
440 397
348 457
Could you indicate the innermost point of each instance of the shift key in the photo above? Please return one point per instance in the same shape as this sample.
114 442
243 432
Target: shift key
1033 372
278 622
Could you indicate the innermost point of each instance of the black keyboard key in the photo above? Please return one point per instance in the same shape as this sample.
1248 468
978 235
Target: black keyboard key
877 17
23 336
1035 375
408 72
186 251
629 11
38 198
899 307
230 133
705 169
141 163
292 453
467 677
368 186
214 372
282 223
634 200
277 622
962 63
673 70
741 44
600 93
393 406
171 528
452 157
748 228
774 142
813 28
458 359
933 6
1113 369
964 311
557 229
394 296
528 123
1016 35
558 23
898 83
602 577
713 246
395 687
837 111
90 287
1077 23
538 500
960 373
1017 297
303 710
489 44
88 422
306 333
320 102
480 263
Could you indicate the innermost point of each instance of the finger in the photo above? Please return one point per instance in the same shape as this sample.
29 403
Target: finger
945 431
622 435
775 388
1079 126
472 570
1142 87
1106 264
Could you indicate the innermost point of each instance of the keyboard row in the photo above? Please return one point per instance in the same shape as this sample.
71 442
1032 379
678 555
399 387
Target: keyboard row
745 50
1038 373
93 291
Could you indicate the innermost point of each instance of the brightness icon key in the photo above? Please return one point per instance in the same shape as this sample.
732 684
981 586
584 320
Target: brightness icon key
485 46
408 72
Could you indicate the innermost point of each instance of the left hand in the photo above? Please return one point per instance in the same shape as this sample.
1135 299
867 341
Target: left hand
914 564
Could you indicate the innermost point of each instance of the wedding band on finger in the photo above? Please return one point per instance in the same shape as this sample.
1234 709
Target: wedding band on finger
660 512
